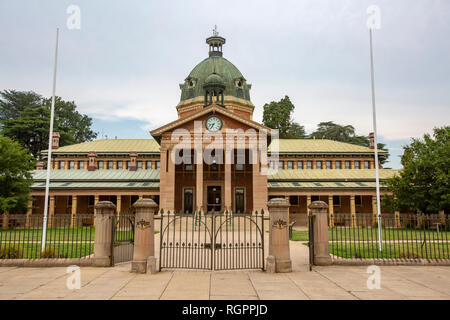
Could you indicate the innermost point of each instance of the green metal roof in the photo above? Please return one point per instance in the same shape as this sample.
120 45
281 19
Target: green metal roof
323 185
315 146
330 175
119 175
96 185
111 146
224 69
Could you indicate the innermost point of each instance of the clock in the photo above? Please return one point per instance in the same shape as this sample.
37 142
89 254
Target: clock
213 124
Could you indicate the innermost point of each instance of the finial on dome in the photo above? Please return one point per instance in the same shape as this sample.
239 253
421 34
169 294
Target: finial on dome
215 43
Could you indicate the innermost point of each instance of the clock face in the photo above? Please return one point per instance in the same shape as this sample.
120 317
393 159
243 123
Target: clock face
213 124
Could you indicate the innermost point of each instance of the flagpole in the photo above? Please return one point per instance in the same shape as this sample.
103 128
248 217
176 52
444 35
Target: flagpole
374 116
50 146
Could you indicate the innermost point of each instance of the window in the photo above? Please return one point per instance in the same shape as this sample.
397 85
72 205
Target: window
91 200
139 165
148 165
61 165
71 165
128 164
290 165
347 164
239 167
309 164
299 165
69 201
239 200
100 165
109 165
338 165
280 164
293 200
188 167
358 200
271 165
328 164
336 200
366 164
319 164
119 164
357 165
315 198
158 165
80 164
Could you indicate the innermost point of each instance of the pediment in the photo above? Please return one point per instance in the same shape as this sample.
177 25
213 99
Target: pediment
230 120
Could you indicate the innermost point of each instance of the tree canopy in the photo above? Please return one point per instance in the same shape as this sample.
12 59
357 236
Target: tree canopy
25 117
344 133
278 115
15 175
424 183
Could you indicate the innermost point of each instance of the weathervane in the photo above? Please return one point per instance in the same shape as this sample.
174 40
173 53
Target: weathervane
215 32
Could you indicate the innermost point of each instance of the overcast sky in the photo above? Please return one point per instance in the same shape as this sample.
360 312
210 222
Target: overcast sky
123 66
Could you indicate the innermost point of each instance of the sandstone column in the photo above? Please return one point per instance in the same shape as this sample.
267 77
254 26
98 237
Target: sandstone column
352 211
104 233
74 211
5 220
51 212
397 222
442 217
227 182
144 236
319 210
29 212
96 200
331 211
279 236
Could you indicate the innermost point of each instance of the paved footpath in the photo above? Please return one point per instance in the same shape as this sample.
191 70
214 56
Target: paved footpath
334 282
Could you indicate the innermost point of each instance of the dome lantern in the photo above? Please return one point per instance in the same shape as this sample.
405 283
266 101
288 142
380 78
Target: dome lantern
215 44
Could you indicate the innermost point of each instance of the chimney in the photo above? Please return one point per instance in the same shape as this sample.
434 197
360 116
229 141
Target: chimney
39 165
91 165
133 166
55 140
372 140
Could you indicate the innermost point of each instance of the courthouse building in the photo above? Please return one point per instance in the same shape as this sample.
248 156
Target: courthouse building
215 97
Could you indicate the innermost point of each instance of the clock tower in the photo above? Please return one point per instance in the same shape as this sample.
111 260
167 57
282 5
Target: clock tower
215 100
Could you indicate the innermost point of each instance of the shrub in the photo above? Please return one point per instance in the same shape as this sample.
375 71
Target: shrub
11 252
49 253
409 255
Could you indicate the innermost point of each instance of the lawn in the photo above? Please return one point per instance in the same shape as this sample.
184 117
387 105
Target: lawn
429 250
369 234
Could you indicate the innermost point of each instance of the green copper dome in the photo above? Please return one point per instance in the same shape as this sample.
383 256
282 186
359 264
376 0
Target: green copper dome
215 69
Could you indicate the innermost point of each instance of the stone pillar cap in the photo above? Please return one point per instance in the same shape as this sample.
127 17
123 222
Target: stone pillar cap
105 204
318 205
278 202
145 203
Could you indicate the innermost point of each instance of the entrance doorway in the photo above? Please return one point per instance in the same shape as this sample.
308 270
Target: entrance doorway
214 198
188 200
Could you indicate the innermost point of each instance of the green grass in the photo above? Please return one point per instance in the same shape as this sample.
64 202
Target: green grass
390 251
300 235
369 234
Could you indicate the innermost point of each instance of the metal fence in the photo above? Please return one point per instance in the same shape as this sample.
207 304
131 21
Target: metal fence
215 241
405 237
67 236
123 238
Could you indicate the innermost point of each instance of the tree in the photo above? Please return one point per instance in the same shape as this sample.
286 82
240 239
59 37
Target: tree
15 175
278 115
337 132
424 183
25 117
